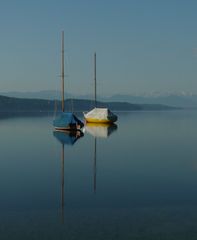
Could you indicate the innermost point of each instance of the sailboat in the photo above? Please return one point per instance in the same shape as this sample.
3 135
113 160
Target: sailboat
67 120
99 115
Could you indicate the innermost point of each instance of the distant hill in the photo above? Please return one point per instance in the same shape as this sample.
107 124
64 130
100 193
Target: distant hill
44 94
47 94
186 100
8 104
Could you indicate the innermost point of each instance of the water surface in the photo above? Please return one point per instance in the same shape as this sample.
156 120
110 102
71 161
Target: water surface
136 180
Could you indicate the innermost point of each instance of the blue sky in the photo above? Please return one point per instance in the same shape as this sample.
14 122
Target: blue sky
141 45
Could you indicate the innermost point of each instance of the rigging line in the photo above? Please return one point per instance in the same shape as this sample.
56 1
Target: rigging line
62 70
70 103
93 97
56 101
55 109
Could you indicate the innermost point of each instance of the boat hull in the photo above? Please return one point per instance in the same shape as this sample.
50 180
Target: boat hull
94 120
68 129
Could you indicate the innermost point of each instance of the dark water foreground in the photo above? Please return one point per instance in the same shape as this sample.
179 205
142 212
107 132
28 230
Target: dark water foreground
136 180
137 223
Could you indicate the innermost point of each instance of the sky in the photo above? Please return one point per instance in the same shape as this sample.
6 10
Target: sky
141 45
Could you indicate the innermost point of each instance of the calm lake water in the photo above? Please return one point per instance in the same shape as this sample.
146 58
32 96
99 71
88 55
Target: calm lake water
136 180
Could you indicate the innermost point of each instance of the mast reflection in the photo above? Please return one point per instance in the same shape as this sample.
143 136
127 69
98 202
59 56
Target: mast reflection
98 131
65 138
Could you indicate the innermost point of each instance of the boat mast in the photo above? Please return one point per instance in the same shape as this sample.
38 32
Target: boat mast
95 97
62 71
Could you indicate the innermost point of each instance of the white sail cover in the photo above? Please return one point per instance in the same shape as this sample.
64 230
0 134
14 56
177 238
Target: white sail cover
98 113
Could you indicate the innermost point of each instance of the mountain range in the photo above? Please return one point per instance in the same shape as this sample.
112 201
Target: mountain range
180 99
11 104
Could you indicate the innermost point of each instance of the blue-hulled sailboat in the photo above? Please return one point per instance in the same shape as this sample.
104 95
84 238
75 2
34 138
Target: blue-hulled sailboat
66 121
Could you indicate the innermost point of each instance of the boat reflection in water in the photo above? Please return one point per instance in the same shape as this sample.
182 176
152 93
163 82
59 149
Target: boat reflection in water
65 138
68 137
98 130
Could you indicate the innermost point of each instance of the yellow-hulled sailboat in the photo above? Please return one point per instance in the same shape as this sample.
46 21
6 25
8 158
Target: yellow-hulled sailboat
99 115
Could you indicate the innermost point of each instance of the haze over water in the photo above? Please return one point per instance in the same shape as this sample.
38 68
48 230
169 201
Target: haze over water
134 181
